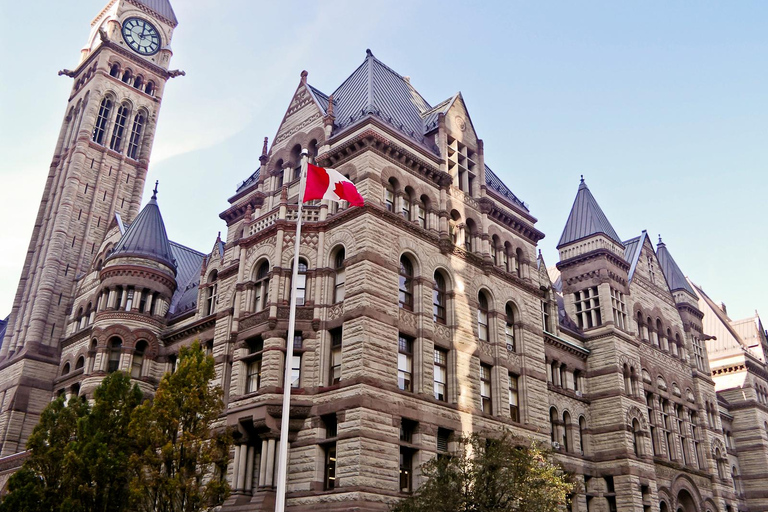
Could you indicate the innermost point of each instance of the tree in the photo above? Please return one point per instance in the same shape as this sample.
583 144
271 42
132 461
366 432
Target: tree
181 462
487 474
78 455
44 483
100 457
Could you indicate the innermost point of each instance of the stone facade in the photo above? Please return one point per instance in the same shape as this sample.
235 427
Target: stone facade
425 314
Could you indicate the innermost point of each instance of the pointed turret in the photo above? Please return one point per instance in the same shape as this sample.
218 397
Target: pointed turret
586 219
146 237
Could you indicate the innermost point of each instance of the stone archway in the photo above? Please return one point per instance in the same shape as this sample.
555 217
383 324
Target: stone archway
685 502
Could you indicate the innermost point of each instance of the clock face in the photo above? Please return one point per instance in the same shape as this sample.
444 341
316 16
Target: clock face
141 36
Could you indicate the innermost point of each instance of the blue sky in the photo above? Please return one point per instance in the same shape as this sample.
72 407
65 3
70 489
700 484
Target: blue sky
661 105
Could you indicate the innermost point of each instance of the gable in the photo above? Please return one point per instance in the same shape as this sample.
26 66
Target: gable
302 115
459 124
648 268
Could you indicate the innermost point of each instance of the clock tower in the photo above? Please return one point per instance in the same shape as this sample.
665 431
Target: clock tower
98 168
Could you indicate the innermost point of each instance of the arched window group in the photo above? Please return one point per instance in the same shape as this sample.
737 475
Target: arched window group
653 331
562 430
123 120
406 202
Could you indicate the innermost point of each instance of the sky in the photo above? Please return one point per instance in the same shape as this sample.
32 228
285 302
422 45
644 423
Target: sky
662 106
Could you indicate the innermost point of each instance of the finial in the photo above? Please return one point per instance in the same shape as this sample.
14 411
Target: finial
304 76
218 237
154 192
264 149
660 242
582 179
368 52
330 105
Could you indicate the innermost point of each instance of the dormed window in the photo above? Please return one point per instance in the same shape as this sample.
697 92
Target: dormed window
339 277
406 283
101 121
134 142
482 316
261 289
212 293
119 128
439 301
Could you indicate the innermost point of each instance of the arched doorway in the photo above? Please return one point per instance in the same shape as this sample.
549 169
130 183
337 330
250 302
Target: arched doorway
685 502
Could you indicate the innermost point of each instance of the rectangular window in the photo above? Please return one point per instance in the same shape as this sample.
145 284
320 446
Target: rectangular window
443 438
587 304
619 309
253 377
514 400
698 354
485 389
406 209
389 200
329 479
405 363
441 375
117 131
296 371
406 469
422 216
335 355
545 316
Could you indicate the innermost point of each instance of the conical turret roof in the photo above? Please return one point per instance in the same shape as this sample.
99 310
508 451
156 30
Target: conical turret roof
146 237
675 277
586 219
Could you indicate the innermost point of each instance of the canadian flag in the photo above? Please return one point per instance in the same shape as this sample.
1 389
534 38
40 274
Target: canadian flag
327 183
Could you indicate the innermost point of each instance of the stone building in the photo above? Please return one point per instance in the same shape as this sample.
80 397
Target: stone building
425 314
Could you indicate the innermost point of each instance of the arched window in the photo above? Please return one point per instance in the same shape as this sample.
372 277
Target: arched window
115 347
389 197
406 283
567 433
138 82
553 424
114 70
135 141
633 380
261 289
582 434
340 276
119 128
212 293
138 359
301 283
495 250
636 437
720 463
101 121
421 212
80 318
80 363
627 381
519 262
127 76
439 312
469 235
505 257
406 207
509 327
640 325
150 88
65 370
577 381
482 316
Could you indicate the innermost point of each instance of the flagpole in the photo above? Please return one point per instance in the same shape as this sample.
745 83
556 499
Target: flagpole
282 462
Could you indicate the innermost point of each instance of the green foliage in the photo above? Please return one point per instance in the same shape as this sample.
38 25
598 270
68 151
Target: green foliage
177 447
121 454
490 474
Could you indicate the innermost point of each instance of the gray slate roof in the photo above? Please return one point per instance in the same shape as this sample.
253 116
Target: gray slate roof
253 178
161 7
675 277
494 183
189 262
146 237
586 219
375 89
632 249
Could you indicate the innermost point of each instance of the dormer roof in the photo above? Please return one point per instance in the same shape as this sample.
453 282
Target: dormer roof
586 219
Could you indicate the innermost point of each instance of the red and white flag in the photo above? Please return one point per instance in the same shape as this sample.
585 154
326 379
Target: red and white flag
327 183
